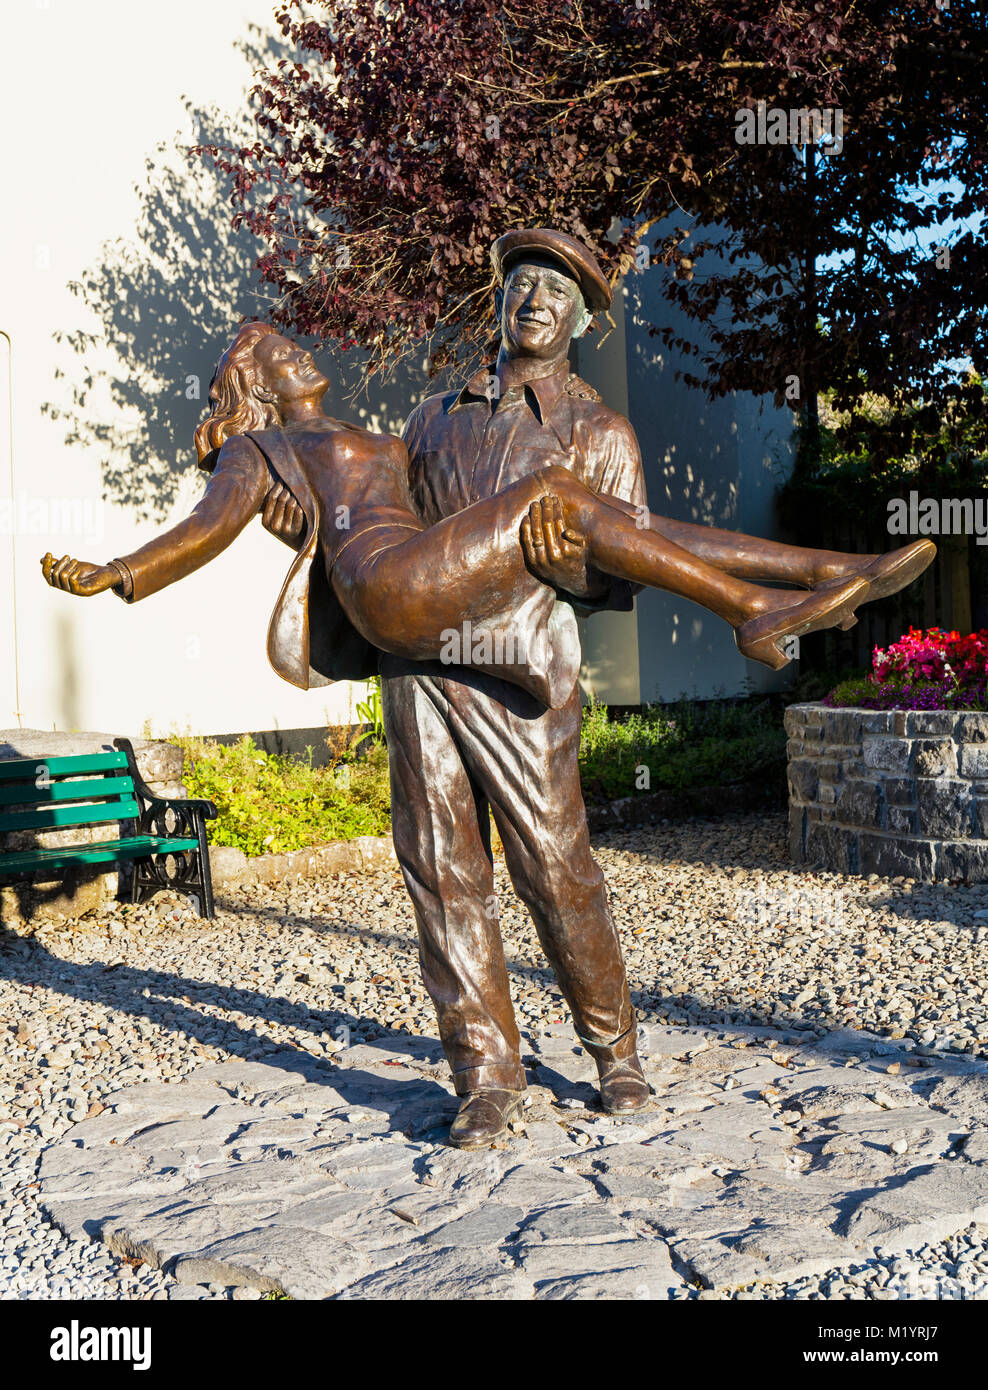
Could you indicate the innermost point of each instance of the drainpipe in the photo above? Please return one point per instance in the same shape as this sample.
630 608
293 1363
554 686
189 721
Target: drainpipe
13 528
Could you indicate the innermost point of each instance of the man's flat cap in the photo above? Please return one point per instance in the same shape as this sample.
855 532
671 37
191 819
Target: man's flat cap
545 241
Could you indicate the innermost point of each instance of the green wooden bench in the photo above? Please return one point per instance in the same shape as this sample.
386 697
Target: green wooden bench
168 848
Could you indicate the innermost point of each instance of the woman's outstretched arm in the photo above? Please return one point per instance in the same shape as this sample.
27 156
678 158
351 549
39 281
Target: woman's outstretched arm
236 492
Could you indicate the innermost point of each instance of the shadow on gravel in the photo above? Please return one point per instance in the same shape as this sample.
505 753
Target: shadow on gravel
169 1001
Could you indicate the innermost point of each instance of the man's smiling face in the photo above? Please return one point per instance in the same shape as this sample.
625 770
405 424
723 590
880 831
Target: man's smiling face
541 308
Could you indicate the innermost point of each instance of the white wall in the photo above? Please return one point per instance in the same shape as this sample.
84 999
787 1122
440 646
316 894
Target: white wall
90 91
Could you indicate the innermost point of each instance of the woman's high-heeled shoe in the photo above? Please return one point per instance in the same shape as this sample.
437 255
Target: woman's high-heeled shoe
761 638
887 574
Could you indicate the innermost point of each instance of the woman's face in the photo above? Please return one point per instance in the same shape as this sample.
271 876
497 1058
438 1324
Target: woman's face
287 371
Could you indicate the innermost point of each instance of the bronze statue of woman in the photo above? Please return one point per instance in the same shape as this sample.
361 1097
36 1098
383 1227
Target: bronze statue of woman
367 564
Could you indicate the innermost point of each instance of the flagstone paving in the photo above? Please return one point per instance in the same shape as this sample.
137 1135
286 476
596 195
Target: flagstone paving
764 1157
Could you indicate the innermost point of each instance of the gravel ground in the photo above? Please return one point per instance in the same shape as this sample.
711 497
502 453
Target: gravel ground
717 927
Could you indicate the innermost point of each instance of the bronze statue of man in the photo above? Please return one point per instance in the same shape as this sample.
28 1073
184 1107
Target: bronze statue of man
463 742
515 498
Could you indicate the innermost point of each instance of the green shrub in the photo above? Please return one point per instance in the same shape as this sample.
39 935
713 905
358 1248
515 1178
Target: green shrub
269 804
686 744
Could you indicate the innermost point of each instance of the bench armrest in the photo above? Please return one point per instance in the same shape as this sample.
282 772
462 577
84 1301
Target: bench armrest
157 805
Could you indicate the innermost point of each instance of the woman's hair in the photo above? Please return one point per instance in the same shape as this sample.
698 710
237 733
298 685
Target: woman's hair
233 391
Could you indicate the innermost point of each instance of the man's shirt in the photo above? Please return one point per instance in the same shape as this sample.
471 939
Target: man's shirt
468 445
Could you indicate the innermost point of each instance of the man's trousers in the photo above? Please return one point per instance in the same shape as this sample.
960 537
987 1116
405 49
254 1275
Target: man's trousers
457 746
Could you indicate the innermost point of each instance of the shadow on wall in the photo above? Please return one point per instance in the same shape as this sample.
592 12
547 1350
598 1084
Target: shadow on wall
168 302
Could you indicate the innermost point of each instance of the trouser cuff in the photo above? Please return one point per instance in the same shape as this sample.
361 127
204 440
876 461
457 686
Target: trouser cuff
618 1049
498 1076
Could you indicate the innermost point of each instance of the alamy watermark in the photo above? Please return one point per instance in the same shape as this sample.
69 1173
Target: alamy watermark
28 515
773 125
938 516
77 1342
483 646
798 909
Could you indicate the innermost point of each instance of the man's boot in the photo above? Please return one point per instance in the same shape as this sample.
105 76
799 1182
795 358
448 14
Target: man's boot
483 1117
623 1088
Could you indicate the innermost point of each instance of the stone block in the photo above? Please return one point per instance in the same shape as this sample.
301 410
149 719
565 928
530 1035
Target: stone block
887 754
974 760
901 820
796 719
860 803
447 1276
943 806
227 865
934 757
832 846
335 858
572 1226
899 791
979 813
924 722
967 859
797 831
889 856
803 779
532 1185
376 852
876 721
843 726
488 1225
293 1260
927 1207
971 728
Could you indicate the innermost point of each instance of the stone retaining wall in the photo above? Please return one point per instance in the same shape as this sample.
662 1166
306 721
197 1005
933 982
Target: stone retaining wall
889 792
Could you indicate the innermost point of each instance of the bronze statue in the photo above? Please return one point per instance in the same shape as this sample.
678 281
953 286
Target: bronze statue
508 502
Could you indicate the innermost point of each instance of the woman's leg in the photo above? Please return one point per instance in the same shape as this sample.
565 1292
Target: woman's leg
761 617
751 557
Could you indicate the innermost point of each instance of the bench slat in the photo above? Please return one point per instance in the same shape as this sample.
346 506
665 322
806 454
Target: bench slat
53 817
27 793
132 847
26 769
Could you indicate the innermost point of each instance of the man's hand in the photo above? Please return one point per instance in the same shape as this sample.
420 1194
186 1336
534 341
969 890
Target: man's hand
78 576
283 516
553 552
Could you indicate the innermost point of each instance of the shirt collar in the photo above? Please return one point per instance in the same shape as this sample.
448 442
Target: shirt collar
541 395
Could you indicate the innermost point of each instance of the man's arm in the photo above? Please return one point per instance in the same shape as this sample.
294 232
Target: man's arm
617 473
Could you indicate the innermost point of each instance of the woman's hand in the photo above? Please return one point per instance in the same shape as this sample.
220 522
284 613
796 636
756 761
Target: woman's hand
283 516
78 576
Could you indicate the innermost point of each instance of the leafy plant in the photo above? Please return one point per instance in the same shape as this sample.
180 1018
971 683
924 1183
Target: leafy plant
684 745
860 459
270 804
397 140
371 711
922 670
